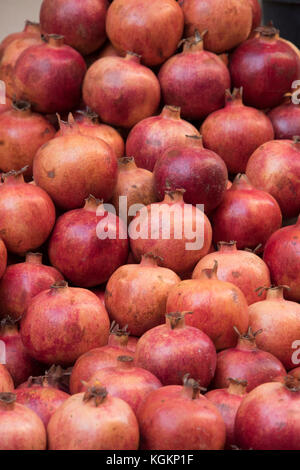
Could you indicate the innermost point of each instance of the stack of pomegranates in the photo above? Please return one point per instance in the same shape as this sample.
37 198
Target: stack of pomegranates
149 240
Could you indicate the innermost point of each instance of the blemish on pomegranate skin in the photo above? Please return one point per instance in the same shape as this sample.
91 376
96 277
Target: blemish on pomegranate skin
51 174
235 274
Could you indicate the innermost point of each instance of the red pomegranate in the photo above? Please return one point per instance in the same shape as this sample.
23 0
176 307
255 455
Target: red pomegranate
195 80
247 362
30 30
269 417
228 401
56 88
177 232
242 268
20 428
228 21
151 29
285 119
282 257
200 172
62 323
121 90
151 137
179 418
81 23
265 67
235 131
295 372
6 381
217 306
108 50
22 281
3 257
136 295
27 214
279 321
172 350
247 215
256 13
275 168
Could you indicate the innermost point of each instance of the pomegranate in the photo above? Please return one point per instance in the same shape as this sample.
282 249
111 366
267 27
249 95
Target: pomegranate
149 139
283 259
195 80
275 168
30 30
22 133
228 400
20 427
295 372
171 230
217 306
179 418
62 323
76 238
121 90
81 23
93 420
235 131
172 350
108 50
55 377
247 362
136 295
3 257
256 14
99 358
27 214
22 281
269 417
247 215
151 29
285 119
228 22
5 106
244 269
57 87
265 67
279 321
6 381
202 173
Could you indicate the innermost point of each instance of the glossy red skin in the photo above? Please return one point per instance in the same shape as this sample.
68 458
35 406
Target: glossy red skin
257 13
244 269
3 257
269 419
21 428
295 372
75 239
196 81
30 30
6 381
44 401
81 23
247 215
248 363
217 307
228 22
264 81
121 90
137 26
50 78
61 324
170 354
27 216
275 168
150 138
281 254
170 420
20 283
234 132
285 120
202 173
81 425
72 167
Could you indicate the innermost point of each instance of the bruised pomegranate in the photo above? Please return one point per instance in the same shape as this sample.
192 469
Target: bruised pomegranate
195 80
247 362
6 381
93 420
244 269
50 76
3 257
151 29
30 30
235 131
121 90
62 323
149 138
172 350
217 306
285 119
136 295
